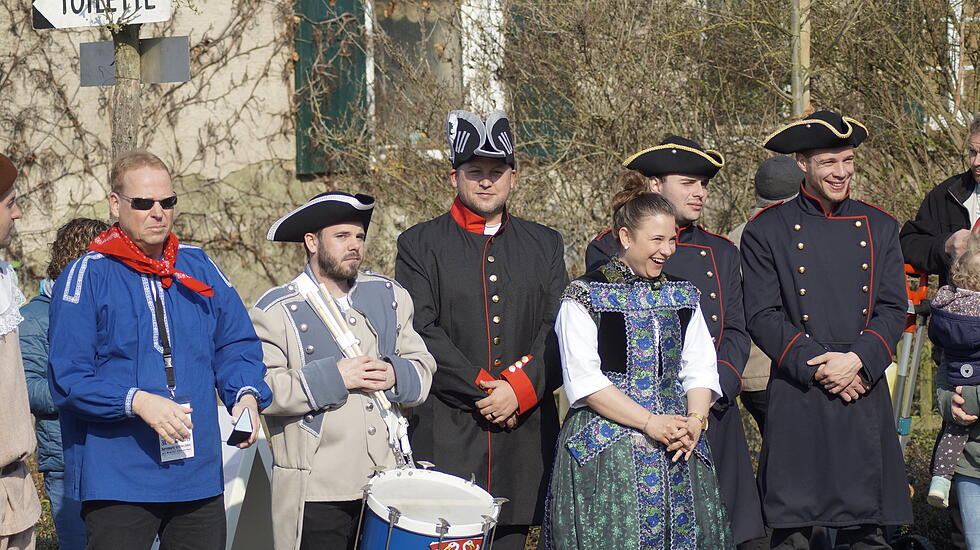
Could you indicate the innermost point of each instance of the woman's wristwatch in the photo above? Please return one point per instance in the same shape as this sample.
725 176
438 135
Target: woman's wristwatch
702 418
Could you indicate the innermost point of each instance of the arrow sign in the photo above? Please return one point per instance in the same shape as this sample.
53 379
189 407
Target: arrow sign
70 14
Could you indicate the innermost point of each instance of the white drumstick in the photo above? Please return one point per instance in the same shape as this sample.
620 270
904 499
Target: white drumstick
337 325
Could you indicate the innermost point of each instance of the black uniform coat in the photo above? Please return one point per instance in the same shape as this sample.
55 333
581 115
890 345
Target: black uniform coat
711 262
817 282
483 302
941 214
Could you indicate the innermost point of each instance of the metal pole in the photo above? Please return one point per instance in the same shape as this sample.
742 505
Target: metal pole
126 105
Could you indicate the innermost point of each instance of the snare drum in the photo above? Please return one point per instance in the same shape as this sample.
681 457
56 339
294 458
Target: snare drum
409 509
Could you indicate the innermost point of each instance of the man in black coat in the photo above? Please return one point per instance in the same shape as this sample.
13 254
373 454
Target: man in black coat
944 220
936 236
825 300
679 169
486 287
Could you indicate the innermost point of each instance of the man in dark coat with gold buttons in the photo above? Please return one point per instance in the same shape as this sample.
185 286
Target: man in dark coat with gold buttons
825 300
486 286
680 169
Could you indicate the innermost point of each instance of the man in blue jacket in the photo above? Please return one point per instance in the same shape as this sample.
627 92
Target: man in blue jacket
71 241
143 331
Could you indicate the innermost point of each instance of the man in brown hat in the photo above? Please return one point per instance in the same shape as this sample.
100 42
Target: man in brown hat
19 506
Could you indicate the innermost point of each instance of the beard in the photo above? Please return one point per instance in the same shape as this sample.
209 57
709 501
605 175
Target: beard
335 269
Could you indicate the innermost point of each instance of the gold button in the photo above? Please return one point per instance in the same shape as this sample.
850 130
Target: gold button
863 244
714 318
802 270
493 278
857 223
797 227
496 340
704 252
496 319
490 259
497 362
800 246
713 339
713 296
710 274
864 288
864 267
806 318
495 298
864 311
802 292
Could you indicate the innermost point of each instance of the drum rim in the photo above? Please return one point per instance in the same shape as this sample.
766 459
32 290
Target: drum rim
457 530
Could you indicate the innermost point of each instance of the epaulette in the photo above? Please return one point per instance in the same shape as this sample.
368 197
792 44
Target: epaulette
382 277
701 227
878 208
764 209
275 295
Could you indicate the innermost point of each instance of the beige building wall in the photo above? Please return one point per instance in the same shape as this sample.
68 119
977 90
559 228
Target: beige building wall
228 134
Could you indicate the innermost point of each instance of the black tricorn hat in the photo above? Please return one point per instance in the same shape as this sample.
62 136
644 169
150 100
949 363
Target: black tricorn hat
821 130
322 210
469 137
676 155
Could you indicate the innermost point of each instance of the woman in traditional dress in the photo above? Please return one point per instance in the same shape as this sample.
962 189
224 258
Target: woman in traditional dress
632 470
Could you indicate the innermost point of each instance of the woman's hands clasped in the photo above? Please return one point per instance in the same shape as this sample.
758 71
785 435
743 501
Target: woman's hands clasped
679 433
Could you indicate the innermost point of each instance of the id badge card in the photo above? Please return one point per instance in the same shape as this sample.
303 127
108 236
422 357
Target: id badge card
178 450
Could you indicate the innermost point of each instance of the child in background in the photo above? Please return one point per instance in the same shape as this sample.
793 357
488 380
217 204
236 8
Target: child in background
955 327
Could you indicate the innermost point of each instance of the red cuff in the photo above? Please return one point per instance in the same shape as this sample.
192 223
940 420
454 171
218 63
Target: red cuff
527 398
484 376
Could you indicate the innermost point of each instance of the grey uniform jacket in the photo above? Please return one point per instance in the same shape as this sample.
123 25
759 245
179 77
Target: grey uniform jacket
326 441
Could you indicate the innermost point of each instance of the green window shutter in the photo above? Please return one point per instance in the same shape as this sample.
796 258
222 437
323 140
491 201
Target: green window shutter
330 83
540 112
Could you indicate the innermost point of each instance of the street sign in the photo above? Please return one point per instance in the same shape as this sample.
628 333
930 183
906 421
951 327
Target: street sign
161 60
69 14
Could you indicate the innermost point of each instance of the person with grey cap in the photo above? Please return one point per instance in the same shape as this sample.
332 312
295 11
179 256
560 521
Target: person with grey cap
19 505
327 421
777 179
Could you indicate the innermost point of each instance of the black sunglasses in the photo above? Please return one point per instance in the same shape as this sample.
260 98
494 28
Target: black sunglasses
140 203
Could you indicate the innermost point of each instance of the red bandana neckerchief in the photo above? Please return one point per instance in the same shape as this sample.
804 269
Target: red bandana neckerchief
117 244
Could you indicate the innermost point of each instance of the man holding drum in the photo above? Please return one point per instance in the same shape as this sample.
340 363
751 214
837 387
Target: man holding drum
328 416
486 285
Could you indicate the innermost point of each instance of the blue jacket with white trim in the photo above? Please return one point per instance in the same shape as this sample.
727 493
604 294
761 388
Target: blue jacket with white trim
105 346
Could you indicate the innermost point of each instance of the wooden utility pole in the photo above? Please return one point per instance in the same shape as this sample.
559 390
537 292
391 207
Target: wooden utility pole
800 32
126 106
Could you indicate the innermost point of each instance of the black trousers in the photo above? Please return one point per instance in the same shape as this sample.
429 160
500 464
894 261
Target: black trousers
510 537
193 525
330 525
755 403
865 537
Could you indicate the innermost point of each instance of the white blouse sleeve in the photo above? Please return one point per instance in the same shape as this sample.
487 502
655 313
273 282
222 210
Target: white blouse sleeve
699 363
578 342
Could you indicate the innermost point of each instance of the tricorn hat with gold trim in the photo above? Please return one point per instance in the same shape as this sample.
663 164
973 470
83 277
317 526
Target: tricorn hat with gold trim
821 130
676 155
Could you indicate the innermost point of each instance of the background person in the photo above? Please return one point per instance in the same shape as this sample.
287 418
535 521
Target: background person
19 505
71 241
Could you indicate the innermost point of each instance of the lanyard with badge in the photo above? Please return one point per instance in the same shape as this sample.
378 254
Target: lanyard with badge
178 450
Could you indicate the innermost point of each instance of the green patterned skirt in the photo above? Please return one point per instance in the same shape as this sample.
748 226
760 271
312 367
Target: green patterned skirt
631 496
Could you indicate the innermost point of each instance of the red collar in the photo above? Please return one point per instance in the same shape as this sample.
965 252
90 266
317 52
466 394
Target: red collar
470 221
814 201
